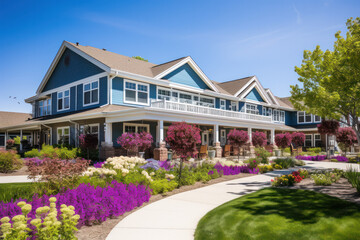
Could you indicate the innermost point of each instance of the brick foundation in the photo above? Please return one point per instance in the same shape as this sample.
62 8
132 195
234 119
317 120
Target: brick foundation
161 153
218 150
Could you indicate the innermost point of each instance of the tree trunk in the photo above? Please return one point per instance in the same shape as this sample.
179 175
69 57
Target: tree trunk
180 170
239 154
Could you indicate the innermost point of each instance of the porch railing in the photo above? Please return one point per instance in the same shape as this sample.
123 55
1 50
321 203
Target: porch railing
185 107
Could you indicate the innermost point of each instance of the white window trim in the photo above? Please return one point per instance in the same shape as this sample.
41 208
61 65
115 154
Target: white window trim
136 90
38 110
63 103
298 116
264 112
98 88
250 104
222 105
136 125
187 93
92 125
316 134
312 140
62 129
314 119
236 106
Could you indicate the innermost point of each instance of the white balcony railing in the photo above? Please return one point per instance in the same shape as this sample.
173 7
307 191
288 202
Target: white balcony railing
202 110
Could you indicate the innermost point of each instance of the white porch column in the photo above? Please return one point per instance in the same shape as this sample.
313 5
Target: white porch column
216 133
21 138
272 136
161 131
250 134
108 134
5 138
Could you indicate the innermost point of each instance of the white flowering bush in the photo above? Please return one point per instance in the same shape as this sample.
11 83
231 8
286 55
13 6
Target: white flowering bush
169 176
101 172
123 162
146 174
48 223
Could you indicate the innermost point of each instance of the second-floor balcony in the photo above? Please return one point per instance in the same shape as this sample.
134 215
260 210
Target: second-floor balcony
203 110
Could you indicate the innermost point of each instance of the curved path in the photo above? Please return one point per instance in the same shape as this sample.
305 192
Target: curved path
176 217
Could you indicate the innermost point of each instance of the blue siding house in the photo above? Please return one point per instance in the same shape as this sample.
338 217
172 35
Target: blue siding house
88 89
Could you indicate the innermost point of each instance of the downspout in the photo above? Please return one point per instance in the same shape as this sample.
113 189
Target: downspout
51 142
110 86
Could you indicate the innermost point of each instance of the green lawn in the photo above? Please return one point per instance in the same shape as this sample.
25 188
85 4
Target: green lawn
275 213
10 191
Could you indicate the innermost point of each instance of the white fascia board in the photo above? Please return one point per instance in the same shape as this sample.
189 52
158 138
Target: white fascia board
245 86
258 87
272 96
68 86
63 46
194 66
168 84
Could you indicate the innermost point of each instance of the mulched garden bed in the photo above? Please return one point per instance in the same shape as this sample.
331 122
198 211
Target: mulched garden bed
342 189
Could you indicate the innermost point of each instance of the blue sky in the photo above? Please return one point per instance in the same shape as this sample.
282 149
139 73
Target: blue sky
227 39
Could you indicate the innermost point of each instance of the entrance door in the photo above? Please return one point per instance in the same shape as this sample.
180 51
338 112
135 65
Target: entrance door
205 138
46 137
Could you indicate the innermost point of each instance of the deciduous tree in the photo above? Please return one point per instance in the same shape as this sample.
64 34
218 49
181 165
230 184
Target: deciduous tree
330 79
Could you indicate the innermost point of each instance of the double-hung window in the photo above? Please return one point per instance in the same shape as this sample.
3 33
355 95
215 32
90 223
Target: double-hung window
282 116
164 94
63 100
185 98
304 117
63 135
308 140
233 106
251 108
264 112
91 93
44 107
317 140
208 102
135 128
276 116
317 119
222 104
136 93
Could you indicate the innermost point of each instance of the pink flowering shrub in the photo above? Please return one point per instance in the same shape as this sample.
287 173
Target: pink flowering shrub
329 127
10 143
134 142
346 136
129 141
182 138
238 138
145 141
298 138
283 140
259 139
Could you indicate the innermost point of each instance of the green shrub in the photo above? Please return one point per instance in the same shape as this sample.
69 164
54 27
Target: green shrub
162 186
9 161
265 168
285 162
262 154
353 177
32 153
187 177
9 191
316 150
49 151
326 178
333 160
202 176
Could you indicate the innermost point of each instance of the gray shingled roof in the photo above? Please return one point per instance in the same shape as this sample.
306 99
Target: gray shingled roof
232 87
124 63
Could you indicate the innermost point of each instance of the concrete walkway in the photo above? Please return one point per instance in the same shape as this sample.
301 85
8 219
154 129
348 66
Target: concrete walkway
177 216
14 179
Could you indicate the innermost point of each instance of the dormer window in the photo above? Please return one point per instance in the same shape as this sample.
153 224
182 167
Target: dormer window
63 100
222 104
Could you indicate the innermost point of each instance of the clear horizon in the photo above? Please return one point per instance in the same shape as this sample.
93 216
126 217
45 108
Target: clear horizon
227 39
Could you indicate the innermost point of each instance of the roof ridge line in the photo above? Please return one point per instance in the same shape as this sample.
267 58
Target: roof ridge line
237 79
169 61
